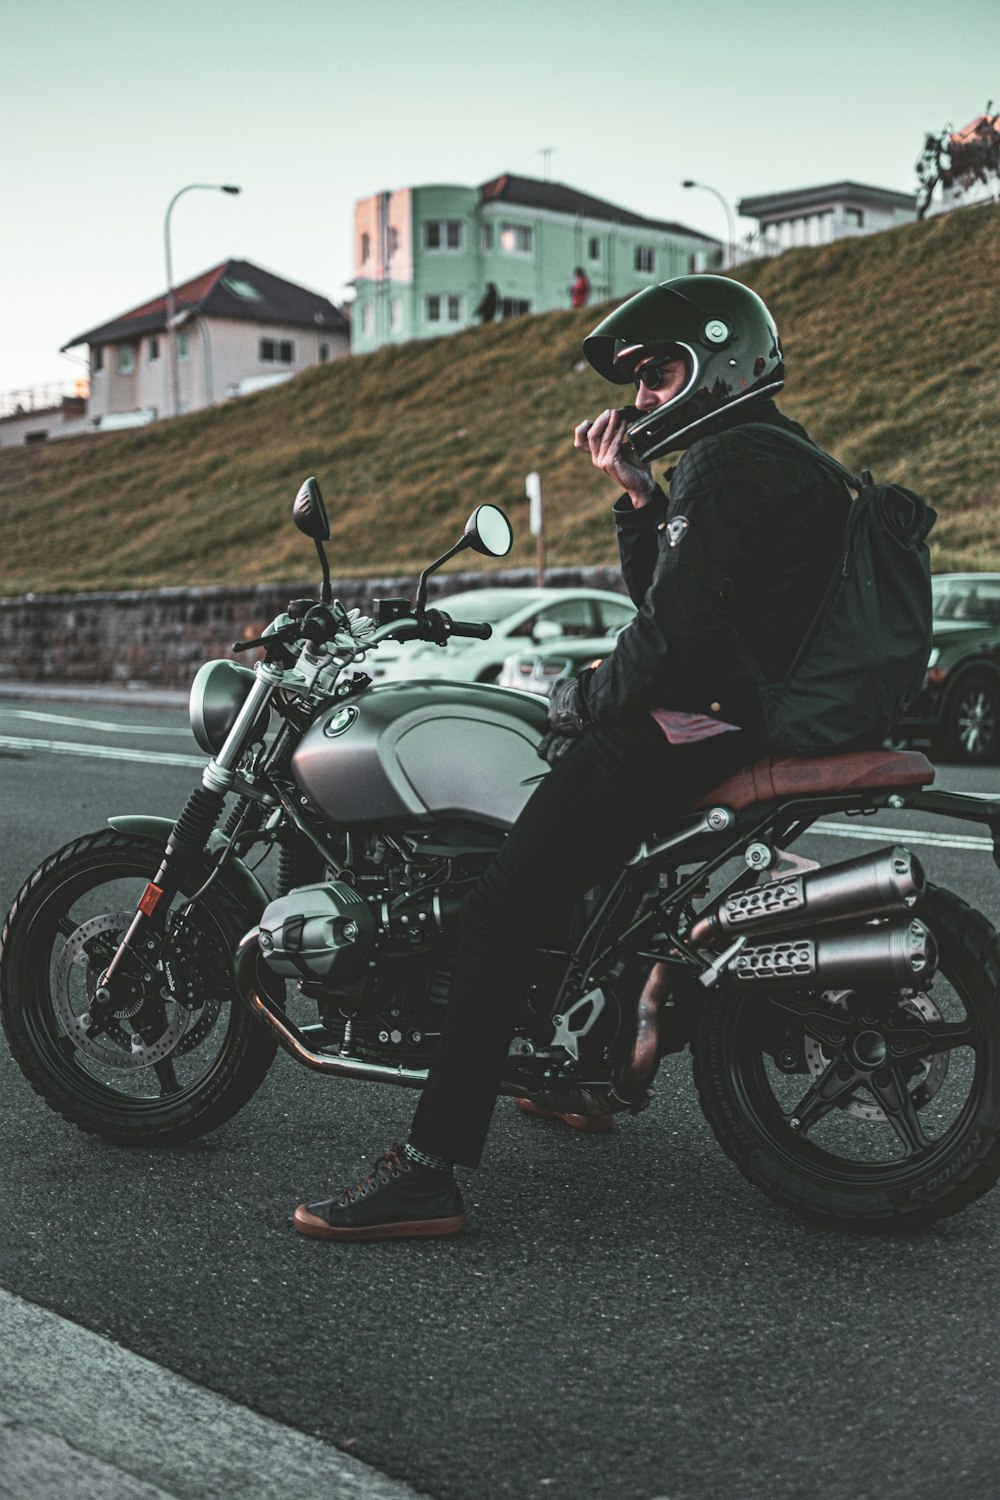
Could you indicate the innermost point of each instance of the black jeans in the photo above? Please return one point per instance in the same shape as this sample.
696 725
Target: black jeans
583 821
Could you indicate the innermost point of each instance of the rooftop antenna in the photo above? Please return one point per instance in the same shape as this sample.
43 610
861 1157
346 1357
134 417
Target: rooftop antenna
546 152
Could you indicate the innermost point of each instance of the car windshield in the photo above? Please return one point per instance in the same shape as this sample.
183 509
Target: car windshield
485 605
975 599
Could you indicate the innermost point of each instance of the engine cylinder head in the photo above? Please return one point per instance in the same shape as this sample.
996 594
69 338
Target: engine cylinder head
317 932
877 884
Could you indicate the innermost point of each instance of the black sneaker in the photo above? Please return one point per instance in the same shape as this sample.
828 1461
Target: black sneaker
398 1200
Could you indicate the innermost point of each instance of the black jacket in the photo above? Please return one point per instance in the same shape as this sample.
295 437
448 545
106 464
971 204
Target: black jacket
745 544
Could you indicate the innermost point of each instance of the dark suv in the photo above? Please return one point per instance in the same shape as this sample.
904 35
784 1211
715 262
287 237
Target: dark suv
958 706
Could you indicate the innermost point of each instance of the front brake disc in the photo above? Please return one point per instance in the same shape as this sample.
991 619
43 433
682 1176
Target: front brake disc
76 980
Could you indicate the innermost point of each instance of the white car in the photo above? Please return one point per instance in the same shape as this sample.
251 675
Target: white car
521 618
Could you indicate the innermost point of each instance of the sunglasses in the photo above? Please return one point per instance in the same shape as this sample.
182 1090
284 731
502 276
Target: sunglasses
654 373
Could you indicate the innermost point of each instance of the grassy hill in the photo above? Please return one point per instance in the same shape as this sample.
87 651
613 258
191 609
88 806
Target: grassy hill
893 351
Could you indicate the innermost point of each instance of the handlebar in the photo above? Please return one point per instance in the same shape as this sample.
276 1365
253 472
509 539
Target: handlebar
320 622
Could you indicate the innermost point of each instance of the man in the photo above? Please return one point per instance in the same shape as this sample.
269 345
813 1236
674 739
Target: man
740 553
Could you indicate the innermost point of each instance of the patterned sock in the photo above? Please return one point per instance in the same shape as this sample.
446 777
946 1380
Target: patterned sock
425 1159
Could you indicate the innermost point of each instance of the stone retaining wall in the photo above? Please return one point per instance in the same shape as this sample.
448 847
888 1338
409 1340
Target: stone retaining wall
161 637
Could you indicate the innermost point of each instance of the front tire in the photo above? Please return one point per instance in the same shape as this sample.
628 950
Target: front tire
182 1055
897 1147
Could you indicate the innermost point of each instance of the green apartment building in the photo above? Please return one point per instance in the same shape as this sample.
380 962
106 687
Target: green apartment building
424 256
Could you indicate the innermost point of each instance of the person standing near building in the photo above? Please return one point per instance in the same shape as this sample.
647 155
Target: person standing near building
489 302
579 292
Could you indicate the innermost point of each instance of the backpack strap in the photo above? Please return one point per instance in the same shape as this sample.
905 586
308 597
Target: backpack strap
853 482
807 446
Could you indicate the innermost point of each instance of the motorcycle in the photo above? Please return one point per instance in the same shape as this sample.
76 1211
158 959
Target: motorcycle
843 1020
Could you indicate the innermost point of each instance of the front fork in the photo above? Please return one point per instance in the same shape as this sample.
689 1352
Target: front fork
136 956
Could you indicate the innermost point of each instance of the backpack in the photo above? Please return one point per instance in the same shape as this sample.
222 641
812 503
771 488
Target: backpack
864 655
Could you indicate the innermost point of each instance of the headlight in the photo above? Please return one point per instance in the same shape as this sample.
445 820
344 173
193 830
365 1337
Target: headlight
217 694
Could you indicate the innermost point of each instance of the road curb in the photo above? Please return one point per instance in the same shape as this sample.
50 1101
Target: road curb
63 1392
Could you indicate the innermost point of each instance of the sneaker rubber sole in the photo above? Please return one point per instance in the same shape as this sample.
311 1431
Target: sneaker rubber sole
590 1124
316 1228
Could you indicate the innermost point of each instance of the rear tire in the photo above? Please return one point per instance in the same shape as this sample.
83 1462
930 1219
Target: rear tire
164 1074
857 1163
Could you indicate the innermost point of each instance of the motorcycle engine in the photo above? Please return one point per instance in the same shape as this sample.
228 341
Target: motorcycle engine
318 932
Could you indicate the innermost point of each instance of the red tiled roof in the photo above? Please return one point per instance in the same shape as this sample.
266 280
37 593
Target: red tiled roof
236 289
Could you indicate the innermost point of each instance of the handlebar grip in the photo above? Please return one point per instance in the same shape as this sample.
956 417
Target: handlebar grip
470 627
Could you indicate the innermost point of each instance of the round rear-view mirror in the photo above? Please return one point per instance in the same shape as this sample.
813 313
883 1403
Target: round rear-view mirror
309 512
489 531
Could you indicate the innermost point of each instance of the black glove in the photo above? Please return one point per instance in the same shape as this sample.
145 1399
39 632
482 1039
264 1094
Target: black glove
568 717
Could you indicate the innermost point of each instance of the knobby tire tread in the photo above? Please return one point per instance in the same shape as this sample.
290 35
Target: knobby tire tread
251 1050
952 919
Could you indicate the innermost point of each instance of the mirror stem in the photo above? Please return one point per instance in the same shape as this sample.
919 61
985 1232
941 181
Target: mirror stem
326 592
418 608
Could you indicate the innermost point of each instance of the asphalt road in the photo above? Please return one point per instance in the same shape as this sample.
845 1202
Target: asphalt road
626 1318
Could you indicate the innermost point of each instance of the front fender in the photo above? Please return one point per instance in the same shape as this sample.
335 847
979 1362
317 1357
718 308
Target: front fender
237 878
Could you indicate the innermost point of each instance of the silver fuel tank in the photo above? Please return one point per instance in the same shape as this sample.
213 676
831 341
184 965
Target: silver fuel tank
421 751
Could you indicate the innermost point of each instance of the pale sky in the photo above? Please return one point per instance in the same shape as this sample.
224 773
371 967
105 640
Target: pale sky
109 106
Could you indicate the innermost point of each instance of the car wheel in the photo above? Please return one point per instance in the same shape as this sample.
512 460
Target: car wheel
970 726
490 674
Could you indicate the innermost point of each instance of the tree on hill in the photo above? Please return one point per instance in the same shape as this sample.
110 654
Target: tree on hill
959 158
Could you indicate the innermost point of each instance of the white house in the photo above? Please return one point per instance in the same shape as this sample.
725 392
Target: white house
236 327
818 215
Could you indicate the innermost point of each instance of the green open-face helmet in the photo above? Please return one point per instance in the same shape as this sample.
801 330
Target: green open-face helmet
726 337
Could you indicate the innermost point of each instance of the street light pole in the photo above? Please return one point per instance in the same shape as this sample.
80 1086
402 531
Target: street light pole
212 187
730 220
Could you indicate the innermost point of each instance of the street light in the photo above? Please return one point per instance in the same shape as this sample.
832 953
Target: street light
731 256
211 187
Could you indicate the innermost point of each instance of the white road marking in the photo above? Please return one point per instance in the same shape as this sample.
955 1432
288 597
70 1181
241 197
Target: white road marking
99 724
879 834
101 752
61 1384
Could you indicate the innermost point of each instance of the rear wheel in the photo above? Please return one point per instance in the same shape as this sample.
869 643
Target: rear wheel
181 1054
894 1125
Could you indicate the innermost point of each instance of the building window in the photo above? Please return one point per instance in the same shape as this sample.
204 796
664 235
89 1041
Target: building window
241 289
444 307
126 359
366 247
182 346
444 234
396 314
645 260
594 249
97 361
277 352
854 216
517 239
324 353
153 351
515 307
392 240
487 238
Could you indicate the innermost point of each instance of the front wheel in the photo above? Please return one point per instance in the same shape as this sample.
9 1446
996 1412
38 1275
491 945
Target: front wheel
897 1124
181 1054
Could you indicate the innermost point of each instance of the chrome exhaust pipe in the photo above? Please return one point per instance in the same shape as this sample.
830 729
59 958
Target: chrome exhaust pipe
890 880
288 1036
898 954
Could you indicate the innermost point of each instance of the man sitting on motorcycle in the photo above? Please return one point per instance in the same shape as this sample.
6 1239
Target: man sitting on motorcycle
742 548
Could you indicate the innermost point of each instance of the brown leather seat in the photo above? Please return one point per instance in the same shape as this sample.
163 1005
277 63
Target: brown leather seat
778 776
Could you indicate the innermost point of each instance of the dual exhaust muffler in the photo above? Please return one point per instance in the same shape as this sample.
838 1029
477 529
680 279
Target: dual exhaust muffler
885 945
